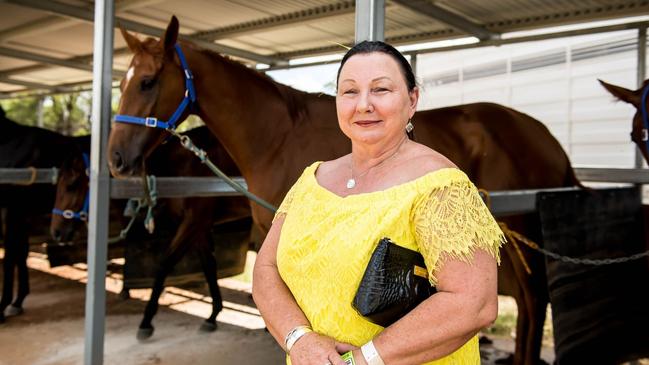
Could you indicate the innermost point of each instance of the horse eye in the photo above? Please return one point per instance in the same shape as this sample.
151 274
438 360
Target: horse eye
147 84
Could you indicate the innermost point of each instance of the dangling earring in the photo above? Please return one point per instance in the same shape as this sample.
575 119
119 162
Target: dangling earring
409 126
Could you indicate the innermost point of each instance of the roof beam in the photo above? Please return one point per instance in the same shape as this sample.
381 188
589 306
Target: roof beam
84 59
279 21
52 90
31 85
50 23
14 53
444 16
86 14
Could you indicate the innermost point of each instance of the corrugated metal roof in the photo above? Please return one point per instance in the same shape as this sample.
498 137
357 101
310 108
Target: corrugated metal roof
281 29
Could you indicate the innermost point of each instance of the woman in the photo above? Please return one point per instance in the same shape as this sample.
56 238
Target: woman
316 251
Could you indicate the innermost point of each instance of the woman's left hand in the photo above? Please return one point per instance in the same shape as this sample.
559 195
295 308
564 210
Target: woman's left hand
316 349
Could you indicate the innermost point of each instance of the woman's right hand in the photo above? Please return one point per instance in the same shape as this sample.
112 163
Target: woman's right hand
316 349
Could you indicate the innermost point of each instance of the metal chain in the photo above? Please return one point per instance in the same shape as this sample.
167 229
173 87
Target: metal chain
578 261
595 262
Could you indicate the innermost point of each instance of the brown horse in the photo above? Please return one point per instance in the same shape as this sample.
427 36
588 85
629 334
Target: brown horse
273 131
190 219
639 131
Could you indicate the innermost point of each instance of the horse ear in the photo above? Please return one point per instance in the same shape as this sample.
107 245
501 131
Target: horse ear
171 35
133 43
629 96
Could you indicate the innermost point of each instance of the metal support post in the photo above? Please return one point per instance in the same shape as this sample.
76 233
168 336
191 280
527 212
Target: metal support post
99 183
370 20
413 64
642 65
39 112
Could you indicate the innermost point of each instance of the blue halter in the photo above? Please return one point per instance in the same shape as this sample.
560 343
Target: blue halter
189 99
645 118
81 215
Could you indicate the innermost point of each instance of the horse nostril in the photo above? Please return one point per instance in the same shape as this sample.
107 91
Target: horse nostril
69 234
56 234
118 161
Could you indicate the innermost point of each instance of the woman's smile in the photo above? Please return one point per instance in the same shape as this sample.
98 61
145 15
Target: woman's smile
367 123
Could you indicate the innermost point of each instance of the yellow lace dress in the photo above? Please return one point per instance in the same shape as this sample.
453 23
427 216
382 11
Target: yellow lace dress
326 242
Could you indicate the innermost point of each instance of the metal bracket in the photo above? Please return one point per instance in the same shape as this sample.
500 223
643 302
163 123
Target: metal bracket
151 122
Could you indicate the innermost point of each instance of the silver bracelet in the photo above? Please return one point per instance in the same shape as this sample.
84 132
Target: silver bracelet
295 334
370 354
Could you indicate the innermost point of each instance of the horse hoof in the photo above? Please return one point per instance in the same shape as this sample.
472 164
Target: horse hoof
144 333
13 311
484 340
208 327
506 360
124 294
2 318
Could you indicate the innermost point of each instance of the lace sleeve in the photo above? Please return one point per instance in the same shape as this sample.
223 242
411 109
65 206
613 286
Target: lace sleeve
453 221
286 203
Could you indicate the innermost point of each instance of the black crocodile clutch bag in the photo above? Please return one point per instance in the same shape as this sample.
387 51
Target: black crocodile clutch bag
394 283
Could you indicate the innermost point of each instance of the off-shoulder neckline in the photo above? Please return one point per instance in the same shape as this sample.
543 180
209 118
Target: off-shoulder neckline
429 175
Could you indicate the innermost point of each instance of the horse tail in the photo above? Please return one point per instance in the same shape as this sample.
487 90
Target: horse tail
572 180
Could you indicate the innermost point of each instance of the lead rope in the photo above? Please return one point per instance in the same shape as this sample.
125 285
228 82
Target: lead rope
134 205
186 142
150 187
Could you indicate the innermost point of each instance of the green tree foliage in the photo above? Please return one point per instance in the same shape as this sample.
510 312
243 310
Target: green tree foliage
67 114
22 111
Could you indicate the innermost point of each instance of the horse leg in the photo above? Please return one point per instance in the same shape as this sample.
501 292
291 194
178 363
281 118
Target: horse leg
531 295
16 307
208 262
16 229
177 250
536 299
8 278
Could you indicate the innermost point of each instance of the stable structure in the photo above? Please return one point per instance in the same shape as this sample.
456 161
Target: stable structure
46 48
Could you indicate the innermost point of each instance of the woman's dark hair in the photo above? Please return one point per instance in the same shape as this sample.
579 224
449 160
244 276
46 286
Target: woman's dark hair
366 47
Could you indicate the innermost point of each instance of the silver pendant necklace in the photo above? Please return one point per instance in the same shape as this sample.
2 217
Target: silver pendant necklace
351 183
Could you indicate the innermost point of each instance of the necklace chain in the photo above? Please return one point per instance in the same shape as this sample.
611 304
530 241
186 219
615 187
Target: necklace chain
351 183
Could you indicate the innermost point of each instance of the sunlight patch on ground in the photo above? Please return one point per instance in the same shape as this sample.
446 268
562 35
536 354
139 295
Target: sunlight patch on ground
177 299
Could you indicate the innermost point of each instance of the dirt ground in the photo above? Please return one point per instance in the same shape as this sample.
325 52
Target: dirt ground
51 331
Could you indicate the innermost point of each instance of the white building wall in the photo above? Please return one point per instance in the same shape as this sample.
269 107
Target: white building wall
591 126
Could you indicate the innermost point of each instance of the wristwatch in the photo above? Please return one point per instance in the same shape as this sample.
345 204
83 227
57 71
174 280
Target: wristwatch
295 334
370 354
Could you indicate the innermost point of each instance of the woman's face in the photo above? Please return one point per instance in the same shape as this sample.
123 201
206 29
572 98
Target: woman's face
373 102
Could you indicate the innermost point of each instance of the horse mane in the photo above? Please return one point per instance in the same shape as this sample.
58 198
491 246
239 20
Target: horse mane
296 101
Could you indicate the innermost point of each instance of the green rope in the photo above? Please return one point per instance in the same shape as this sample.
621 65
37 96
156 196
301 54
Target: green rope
186 142
134 206
128 211
149 222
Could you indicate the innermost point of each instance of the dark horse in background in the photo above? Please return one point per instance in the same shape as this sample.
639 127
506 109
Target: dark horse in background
21 147
273 132
191 219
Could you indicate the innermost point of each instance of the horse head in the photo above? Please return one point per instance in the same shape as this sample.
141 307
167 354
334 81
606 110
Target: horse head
640 124
71 203
151 90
